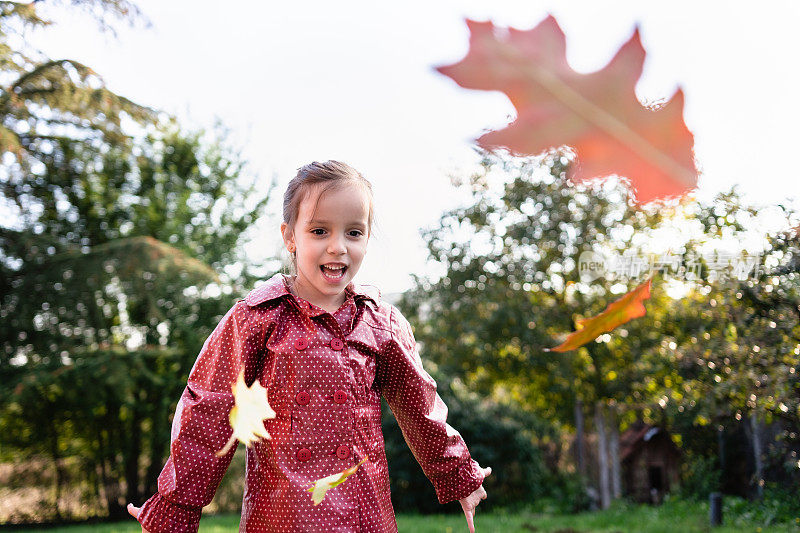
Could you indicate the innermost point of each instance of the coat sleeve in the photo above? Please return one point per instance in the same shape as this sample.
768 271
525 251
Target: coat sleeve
201 427
422 416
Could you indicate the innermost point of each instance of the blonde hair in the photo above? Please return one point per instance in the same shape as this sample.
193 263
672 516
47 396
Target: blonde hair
328 175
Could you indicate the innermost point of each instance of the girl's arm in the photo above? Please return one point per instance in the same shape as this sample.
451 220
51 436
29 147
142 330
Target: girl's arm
422 415
201 427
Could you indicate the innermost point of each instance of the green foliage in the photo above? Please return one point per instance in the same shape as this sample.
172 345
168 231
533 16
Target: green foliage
700 476
103 395
46 104
735 345
499 436
107 408
511 288
778 505
114 269
184 188
566 494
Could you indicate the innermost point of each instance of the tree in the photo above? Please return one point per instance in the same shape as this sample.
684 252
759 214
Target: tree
46 103
179 189
93 294
102 399
109 268
734 339
512 287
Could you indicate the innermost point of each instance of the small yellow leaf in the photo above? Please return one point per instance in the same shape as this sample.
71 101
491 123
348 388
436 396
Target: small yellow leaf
247 416
322 485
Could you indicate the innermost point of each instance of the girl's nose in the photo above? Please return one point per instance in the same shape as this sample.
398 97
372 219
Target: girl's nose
337 245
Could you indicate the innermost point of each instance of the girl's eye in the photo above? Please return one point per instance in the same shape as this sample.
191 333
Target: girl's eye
353 233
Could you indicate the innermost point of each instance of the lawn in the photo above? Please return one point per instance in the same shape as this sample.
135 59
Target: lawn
672 517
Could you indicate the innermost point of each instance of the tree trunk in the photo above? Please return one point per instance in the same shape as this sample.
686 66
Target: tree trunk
111 468
602 455
133 452
56 456
105 469
721 451
616 474
101 464
159 448
579 442
93 468
755 430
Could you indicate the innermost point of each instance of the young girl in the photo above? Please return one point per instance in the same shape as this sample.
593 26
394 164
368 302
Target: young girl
326 349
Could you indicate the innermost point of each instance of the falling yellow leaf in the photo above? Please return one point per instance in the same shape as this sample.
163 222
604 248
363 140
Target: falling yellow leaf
321 486
247 416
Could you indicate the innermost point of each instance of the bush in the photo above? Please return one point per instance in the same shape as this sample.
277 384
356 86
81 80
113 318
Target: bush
777 505
700 476
566 495
498 436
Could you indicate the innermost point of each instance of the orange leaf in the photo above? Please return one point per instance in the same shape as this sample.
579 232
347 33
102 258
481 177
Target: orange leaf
597 114
626 308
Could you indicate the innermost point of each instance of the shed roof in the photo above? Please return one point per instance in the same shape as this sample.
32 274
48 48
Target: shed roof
638 434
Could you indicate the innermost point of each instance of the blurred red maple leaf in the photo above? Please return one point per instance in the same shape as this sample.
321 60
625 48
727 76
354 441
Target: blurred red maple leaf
618 312
597 114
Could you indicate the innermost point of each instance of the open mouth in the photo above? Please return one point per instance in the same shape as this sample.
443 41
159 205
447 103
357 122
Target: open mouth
333 273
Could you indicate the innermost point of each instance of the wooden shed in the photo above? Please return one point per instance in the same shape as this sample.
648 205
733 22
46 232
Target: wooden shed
650 462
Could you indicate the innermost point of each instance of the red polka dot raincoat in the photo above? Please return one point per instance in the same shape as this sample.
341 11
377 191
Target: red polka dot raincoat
324 375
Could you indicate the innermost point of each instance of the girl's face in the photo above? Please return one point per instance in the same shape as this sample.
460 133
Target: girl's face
336 237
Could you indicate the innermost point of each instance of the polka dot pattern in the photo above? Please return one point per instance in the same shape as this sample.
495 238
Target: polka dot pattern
325 374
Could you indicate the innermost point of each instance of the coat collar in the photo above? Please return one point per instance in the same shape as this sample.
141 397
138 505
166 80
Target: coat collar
275 287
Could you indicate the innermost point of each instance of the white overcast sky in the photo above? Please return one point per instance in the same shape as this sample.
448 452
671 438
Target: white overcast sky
354 80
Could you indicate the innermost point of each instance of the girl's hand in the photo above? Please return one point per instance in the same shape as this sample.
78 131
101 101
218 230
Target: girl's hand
134 512
470 503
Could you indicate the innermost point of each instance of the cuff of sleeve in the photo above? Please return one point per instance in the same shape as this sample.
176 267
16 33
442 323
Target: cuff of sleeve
459 483
159 515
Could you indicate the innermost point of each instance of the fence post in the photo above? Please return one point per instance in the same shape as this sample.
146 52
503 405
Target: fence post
716 508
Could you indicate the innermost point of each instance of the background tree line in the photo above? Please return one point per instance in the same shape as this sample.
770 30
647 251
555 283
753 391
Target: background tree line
115 268
717 365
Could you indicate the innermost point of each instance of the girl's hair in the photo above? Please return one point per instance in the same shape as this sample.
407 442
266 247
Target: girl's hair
328 175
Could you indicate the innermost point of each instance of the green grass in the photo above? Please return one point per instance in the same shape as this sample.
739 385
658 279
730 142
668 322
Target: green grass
671 517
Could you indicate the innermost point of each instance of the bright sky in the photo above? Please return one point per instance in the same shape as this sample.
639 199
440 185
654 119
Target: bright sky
354 81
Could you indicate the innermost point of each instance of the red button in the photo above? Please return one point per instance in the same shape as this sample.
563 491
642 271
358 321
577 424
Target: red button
303 454
336 343
303 397
343 452
301 344
340 396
